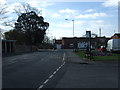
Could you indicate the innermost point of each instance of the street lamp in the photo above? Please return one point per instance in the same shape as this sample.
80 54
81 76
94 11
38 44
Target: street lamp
73 34
73 26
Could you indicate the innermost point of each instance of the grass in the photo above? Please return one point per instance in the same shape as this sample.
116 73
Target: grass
105 58
108 57
81 54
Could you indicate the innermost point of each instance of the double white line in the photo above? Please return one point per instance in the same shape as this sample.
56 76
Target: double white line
41 86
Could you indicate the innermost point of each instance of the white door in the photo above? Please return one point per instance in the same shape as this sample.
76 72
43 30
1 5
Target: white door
58 46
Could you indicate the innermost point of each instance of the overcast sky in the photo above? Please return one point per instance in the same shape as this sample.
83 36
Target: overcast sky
86 15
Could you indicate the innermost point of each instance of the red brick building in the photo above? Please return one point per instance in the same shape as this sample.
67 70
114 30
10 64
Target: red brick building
80 42
116 36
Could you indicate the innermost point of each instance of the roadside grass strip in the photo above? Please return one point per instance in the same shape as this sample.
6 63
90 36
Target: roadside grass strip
100 56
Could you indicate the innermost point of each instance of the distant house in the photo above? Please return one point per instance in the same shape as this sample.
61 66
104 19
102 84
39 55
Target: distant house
116 36
58 44
102 41
114 43
69 42
80 42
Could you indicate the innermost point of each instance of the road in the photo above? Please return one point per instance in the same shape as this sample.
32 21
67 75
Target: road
57 69
32 70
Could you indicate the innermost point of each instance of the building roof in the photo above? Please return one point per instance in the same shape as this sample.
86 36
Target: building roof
85 37
58 41
118 34
9 40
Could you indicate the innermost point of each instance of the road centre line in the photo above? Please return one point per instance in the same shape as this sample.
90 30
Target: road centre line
50 76
54 72
64 57
46 81
64 63
57 69
41 86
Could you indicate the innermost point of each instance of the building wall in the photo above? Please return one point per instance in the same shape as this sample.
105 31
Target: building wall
58 46
70 43
22 48
82 42
8 46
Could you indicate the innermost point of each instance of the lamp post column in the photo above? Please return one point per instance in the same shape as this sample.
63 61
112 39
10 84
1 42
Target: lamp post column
73 28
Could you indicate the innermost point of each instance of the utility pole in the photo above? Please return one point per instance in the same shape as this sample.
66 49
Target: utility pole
100 32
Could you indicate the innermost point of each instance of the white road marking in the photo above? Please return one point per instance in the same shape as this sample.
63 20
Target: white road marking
63 59
54 72
64 63
41 86
61 65
57 69
50 76
46 81
12 62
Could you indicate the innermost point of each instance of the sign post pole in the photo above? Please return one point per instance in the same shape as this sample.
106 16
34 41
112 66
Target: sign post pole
88 36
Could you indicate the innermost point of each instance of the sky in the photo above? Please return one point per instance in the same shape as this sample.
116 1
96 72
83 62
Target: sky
88 15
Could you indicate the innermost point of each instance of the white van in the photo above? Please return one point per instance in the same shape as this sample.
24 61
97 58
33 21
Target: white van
113 45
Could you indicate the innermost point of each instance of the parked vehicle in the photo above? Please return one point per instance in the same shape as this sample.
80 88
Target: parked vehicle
102 48
113 45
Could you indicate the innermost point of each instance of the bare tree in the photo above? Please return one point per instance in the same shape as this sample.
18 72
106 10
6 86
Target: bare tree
25 8
19 10
2 12
46 39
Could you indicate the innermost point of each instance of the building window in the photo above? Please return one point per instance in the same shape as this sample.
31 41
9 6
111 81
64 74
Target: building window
71 45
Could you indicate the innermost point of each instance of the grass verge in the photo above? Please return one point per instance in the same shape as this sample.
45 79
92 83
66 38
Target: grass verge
110 56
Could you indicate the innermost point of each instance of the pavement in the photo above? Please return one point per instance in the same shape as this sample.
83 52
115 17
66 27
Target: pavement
89 74
73 58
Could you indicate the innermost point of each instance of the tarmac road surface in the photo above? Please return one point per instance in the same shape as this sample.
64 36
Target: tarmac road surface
57 69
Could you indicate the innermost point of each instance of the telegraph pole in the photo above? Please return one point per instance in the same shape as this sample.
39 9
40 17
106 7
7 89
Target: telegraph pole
100 31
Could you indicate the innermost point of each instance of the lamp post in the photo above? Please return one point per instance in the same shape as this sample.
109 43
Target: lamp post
73 34
73 26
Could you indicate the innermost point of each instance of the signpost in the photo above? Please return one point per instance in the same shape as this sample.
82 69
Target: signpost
88 48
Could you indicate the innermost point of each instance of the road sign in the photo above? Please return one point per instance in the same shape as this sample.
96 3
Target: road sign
88 34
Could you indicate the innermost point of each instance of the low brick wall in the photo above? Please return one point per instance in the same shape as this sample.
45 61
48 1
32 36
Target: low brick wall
22 48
